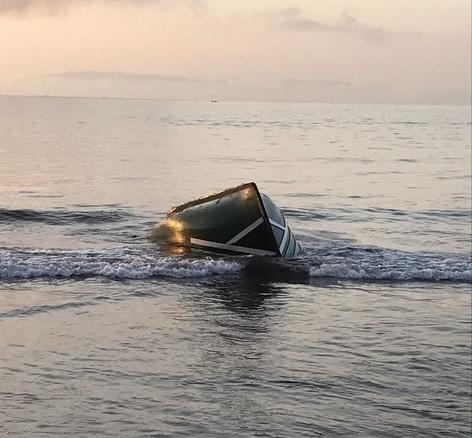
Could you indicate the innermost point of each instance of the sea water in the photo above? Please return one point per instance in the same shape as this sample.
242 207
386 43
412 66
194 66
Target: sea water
367 333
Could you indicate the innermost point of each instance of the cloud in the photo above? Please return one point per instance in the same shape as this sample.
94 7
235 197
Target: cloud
52 7
293 19
309 90
93 75
333 91
314 83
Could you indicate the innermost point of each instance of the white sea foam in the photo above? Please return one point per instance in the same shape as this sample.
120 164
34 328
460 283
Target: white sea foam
432 271
119 264
125 263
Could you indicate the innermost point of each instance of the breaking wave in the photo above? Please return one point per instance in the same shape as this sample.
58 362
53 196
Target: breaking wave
420 273
380 264
348 263
112 263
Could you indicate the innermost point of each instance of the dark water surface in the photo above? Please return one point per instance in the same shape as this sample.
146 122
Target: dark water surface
368 333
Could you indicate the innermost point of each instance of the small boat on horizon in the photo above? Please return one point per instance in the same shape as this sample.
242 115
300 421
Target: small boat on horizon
240 220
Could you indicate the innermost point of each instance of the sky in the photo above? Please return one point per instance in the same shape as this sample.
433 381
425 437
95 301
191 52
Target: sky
359 51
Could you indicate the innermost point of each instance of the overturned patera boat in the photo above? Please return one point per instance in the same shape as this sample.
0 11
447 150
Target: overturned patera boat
240 220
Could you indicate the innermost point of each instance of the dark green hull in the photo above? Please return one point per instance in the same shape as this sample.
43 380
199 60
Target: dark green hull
236 221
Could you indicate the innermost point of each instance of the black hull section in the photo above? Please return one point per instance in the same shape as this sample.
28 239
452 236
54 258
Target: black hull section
235 221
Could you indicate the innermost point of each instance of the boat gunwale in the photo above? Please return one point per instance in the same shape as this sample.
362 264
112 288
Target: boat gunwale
211 197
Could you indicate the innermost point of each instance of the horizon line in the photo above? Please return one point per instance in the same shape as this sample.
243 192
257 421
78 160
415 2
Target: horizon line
212 100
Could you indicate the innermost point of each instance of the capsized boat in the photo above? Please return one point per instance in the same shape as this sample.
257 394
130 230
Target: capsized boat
240 220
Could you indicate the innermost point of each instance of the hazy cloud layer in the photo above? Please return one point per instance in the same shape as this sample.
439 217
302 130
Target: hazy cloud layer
125 76
314 83
125 84
58 6
293 19
306 90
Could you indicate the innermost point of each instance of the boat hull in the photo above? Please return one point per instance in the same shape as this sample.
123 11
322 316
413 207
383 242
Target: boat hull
236 221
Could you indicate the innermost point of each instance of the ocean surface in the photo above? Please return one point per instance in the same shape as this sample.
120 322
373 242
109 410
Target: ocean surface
367 333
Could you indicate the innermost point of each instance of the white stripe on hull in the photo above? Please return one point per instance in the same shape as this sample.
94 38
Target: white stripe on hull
276 224
235 248
284 240
246 231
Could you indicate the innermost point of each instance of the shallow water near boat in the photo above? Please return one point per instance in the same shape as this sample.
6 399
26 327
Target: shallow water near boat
367 333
